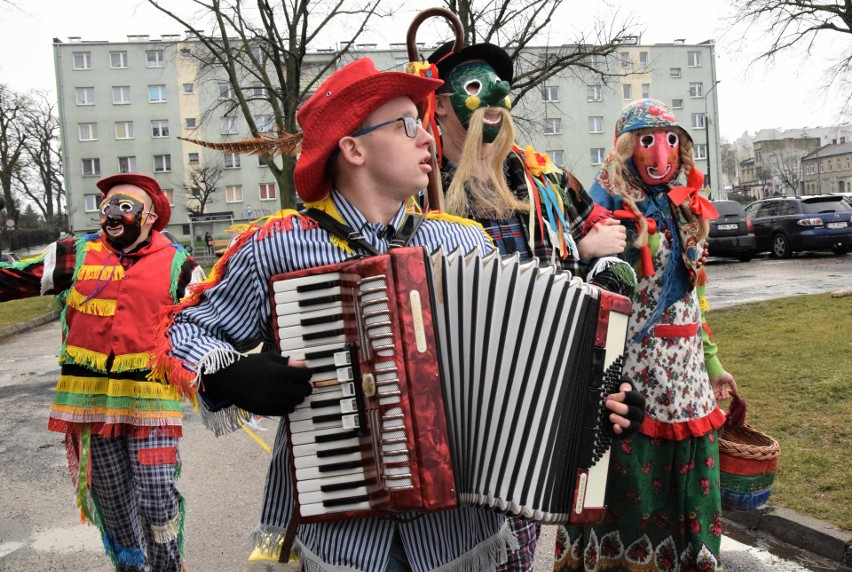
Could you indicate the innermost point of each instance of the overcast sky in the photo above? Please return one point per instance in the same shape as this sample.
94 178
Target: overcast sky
785 95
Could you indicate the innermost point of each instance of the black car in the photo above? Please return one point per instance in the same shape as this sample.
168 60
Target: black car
731 234
786 225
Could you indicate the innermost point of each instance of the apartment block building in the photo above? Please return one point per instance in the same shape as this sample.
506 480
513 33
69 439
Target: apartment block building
122 106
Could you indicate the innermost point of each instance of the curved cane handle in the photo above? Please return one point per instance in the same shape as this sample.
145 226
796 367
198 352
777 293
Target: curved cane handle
453 19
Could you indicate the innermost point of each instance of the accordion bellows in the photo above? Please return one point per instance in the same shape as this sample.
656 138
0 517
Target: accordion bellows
450 379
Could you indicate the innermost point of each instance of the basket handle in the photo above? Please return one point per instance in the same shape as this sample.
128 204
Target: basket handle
736 411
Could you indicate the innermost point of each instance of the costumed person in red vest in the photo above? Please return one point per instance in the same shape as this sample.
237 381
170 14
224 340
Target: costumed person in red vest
663 500
121 427
526 203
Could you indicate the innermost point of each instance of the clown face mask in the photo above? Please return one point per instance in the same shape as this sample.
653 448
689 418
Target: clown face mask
656 155
121 219
475 85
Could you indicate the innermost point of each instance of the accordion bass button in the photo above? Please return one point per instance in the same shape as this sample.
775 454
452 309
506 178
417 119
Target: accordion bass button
368 384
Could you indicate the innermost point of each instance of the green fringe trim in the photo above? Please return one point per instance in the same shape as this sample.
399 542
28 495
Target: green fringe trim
625 274
177 263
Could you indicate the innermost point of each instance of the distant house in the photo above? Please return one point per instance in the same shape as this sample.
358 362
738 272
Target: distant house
828 169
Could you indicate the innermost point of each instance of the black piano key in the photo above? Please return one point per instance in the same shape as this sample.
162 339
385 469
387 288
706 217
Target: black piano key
322 335
348 434
340 466
320 300
346 500
321 320
340 451
324 368
318 286
323 354
326 402
343 486
327 418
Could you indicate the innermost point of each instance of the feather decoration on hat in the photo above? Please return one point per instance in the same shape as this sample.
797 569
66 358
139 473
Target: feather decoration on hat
272 144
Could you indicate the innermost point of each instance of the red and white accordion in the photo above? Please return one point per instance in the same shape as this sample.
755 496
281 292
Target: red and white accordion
448 379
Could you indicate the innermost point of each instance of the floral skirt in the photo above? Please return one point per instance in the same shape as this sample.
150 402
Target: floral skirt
663 511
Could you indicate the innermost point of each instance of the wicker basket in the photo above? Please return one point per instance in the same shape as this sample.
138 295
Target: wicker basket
748 459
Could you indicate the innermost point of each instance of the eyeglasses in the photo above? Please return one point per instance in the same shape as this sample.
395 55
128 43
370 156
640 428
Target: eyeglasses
409 123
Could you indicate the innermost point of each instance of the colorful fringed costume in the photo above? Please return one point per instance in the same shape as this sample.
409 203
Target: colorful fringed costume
663 500
113 416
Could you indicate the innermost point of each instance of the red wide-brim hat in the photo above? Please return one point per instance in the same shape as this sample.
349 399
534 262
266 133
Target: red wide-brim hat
338 108
151 188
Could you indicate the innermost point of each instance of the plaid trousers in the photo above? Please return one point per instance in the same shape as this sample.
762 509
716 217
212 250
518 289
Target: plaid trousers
522 559
139 506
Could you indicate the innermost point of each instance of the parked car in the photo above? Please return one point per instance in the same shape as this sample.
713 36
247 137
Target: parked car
9 257
732 233
786 225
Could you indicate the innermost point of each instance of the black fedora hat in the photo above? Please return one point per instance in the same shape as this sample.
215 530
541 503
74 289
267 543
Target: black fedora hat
446 59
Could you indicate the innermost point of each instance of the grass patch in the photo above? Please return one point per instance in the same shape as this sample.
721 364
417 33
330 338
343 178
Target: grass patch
791 359
17 311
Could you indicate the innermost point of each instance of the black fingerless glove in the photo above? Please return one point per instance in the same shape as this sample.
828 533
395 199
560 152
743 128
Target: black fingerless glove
635 403
262 384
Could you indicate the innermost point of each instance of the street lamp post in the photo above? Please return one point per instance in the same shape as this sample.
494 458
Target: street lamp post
708 179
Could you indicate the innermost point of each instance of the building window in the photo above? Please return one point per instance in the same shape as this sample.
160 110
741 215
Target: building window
170 195
232 160
628 91
550 93
118 60
596 155
82 60
696 89
593 93
848 163
157 93
124 130
234 194
693 59
154 59
185 53
261 162
226 90
267 191
830 165
160 128
85 95
596 124
552 125
625 59
698 121
263 123
228 125
188 89
91 167
700 151
677 104
258 90
646 90
643 59
189 122
557 156
674 73
91 203
87 131
162 163
257 53
127 164
121 94
194 158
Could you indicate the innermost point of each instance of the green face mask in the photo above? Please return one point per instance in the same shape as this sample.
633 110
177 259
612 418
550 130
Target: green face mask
473 85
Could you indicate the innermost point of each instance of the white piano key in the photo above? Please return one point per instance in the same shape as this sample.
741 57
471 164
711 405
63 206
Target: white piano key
307 461
296 308
287 320
312 412
287 345
318 508
356 479
301 353
314 472
347 422
313 448
293 283
298 332
311 437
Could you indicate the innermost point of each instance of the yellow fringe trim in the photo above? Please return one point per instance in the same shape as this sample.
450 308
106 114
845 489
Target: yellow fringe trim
133 412
91 272
130 362
438 215
326 205
167 532
93 306
93 245
86 357
703 304
116 387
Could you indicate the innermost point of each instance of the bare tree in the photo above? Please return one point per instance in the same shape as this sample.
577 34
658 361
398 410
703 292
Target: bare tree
40 179
516 26
798 24
260 50
12 109
786 166
201 184
730 162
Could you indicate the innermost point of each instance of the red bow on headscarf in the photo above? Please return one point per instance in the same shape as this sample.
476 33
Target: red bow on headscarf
645 251
699 206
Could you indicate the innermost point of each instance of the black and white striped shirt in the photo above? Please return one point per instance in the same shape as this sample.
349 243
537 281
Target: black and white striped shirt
235 314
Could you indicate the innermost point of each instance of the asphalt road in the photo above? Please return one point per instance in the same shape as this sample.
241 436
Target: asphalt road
222 479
